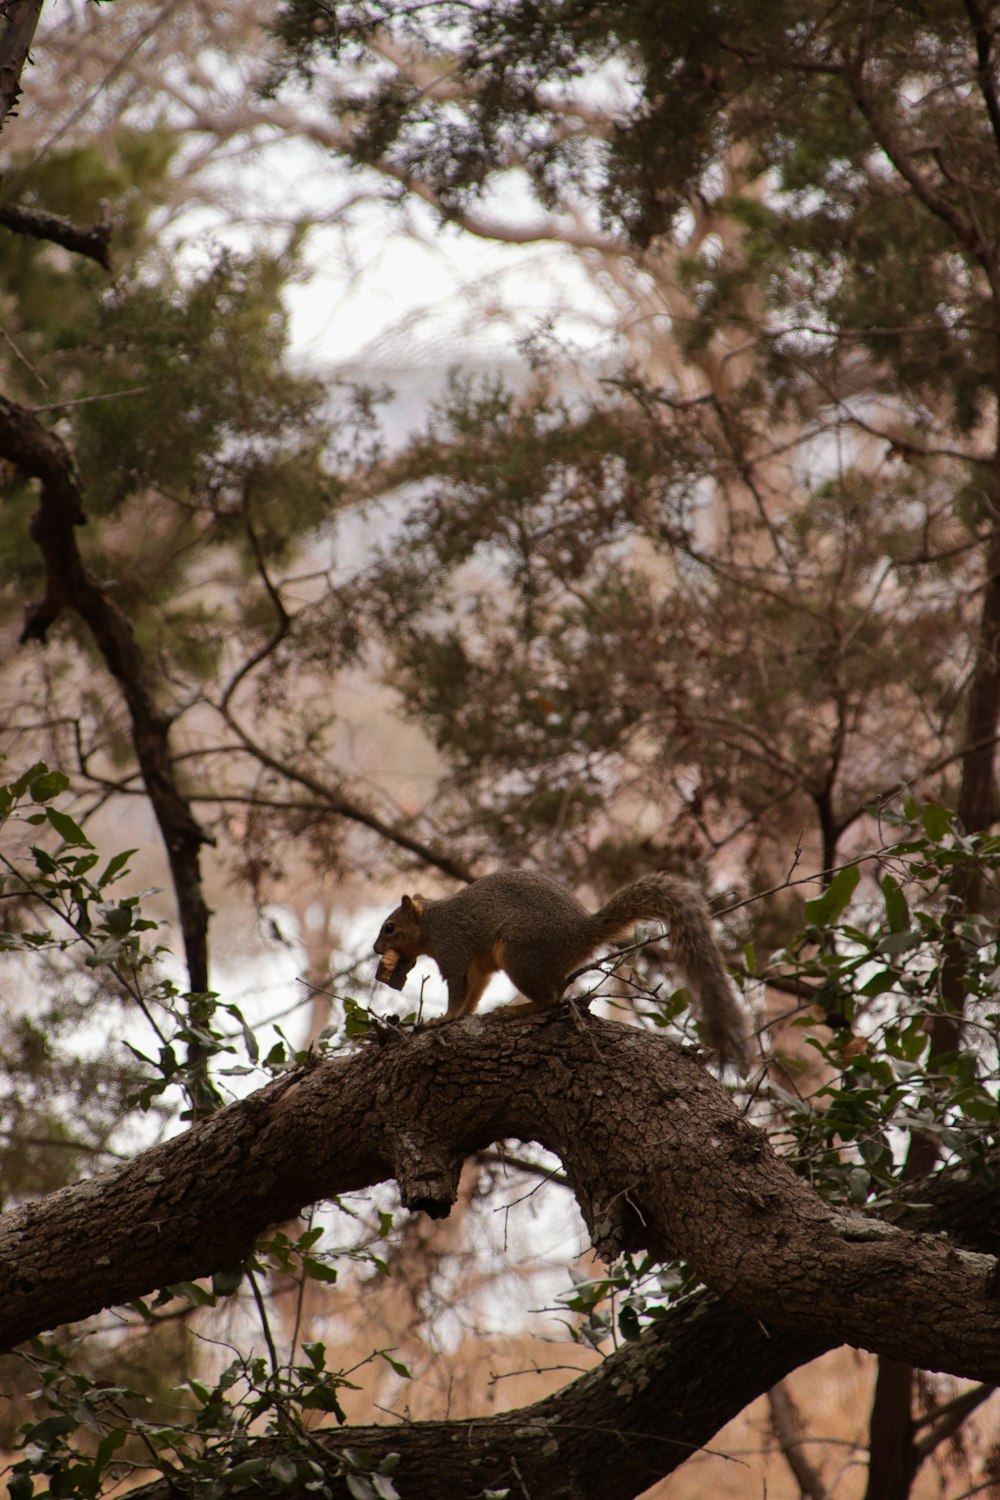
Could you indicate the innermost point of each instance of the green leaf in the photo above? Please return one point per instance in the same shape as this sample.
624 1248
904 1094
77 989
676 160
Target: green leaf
283 1470
249 1040
247 1470
194 1293
628 1322
44 861
225 1283
913 1040
107 952
48 785
70 832
827 908
357 1020
896 909
110 1443
115 866
324 1398
118 919
900 942
43 1432
397 1365
316 1270
879 983
21 785
937 821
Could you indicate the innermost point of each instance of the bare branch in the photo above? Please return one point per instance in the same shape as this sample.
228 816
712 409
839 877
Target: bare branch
985 66
787 1422
69 585
84 239
345 807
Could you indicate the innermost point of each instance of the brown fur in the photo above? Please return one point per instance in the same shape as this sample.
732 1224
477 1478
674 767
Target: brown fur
537 933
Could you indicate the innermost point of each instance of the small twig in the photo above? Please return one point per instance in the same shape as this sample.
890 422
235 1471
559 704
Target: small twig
265 1325
135 390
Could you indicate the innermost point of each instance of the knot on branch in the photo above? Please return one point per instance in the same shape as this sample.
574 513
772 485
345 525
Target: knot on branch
616 1223
427 1173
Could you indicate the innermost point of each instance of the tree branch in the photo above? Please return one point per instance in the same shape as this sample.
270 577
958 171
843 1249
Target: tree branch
985 66
658 1156
197 1201
787 1422
336 802
608 1435
68 584
966 233
84 239
18 19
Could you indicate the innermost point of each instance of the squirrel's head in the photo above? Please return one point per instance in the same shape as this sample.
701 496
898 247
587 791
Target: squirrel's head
401 928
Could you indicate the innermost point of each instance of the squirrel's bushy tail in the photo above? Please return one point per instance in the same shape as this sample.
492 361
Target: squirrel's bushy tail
669 899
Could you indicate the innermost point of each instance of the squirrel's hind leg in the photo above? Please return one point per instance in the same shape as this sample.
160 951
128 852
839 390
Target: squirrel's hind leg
541 992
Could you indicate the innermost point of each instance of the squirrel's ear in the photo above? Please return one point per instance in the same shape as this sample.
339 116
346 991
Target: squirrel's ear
413 905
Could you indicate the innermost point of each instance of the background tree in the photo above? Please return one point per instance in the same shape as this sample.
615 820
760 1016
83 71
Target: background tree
714 613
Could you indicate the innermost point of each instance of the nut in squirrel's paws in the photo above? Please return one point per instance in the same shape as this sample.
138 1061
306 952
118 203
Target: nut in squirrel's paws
393 969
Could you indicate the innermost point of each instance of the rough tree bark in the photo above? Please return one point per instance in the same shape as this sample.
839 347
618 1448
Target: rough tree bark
18 20
92 240
656 1152
608 1436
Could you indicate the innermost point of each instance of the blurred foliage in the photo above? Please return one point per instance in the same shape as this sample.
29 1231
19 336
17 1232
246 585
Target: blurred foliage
716 609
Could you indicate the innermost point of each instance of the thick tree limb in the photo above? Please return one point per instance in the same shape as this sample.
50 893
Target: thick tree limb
608 1436
644 1410
44 456
655 1150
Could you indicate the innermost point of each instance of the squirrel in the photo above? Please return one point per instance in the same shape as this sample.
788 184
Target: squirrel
537 932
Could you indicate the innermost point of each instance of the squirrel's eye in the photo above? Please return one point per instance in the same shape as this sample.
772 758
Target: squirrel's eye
388 927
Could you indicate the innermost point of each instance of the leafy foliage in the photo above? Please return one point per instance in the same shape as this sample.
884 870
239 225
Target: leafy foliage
718 605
